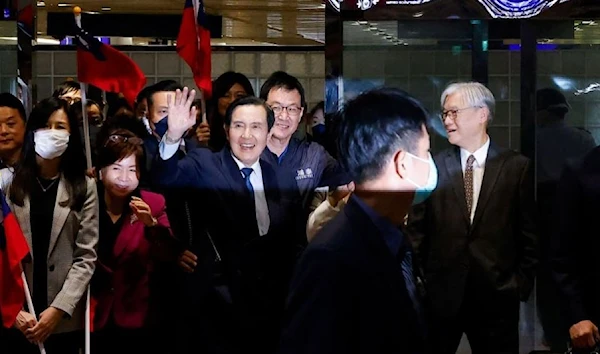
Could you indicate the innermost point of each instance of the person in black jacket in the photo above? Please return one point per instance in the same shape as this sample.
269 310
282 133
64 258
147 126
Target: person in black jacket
574 248
355 289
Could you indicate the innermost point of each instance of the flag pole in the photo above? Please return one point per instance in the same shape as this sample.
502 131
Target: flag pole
88 156
105 106
203 105
30 307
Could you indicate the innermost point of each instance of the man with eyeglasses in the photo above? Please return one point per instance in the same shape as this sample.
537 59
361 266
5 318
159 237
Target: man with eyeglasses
69 91
312 166
476 234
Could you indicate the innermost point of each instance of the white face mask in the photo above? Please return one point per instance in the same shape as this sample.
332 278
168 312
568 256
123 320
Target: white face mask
423 192
50 143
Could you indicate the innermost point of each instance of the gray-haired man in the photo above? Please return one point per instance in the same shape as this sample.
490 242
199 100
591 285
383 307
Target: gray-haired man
477 232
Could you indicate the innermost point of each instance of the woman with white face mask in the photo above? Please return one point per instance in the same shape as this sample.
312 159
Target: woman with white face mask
56 206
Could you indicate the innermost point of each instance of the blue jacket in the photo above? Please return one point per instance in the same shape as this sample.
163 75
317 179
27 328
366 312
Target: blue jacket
312 167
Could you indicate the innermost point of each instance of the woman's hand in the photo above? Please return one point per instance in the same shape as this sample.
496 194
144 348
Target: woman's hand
203 133
24 321
49 319
188 261
142 212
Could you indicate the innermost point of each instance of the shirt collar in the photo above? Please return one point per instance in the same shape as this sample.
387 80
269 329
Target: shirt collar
480 154
392 235
255 166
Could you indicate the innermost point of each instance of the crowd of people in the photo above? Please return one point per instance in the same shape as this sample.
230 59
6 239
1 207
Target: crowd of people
241 233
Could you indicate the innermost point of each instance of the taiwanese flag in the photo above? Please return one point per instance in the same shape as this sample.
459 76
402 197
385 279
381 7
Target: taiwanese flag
193 44
108 69
13 249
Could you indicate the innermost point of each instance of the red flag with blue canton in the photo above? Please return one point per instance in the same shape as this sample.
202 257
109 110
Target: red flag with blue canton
107 68
13 249
193 44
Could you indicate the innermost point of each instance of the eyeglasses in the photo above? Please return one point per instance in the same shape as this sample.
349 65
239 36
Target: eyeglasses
116 139
453 113
292 111
71 100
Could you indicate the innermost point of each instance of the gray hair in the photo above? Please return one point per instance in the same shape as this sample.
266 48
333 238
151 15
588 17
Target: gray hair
474 94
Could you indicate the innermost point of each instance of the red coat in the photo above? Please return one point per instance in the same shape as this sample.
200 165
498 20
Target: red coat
124 290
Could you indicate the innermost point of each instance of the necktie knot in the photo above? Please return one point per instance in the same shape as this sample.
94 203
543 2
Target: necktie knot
247 171
470 160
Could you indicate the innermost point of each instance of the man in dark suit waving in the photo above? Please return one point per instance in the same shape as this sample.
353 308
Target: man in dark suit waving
249 218
355 289
477 233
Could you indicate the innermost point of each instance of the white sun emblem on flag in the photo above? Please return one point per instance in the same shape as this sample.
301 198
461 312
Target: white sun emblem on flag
366 4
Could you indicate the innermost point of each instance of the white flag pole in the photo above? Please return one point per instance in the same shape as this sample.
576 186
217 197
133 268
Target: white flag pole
88 156
203 105
30 306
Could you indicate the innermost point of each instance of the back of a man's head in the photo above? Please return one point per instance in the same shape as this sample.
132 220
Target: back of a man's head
374 126
10 101
283 80
552 100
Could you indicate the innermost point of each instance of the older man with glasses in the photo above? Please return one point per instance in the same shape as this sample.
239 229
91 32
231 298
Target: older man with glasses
477 233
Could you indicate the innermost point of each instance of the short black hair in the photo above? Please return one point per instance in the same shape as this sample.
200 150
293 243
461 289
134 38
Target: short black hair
375 125
126 121
162 86
552 100
10 101
142 95
66 87
249 101
281 79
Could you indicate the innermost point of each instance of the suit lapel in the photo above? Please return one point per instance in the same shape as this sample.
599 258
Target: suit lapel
127 235
455 175
493 166
22 215
242 208
232 173
60 214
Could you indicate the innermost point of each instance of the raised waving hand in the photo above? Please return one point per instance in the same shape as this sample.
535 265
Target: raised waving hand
181 114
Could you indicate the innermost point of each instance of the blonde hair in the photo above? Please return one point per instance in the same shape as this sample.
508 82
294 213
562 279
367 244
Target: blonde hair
474 94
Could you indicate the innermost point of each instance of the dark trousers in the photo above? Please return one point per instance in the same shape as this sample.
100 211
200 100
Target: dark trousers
115 340
12 341
490 321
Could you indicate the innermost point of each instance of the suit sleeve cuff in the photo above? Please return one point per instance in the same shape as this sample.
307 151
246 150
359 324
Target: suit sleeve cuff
166 150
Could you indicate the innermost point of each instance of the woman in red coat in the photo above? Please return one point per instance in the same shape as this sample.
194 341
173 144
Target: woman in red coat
133 224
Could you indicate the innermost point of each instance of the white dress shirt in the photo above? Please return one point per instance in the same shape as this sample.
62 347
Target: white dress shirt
260 199
256 179
478 170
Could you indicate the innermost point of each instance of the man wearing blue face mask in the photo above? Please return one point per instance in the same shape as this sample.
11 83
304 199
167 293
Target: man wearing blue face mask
181 204
356 288
479 246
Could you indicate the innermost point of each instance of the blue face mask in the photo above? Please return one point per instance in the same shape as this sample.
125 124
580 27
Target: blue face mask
318 129
423 192
161 127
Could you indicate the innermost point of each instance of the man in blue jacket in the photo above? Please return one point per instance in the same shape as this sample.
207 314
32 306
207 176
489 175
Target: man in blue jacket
311 165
